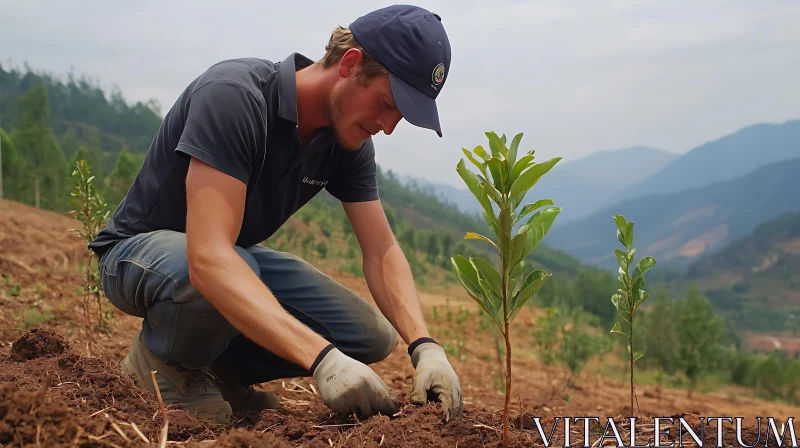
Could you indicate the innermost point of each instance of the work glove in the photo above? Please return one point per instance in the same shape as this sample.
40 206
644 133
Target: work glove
435 374
349 386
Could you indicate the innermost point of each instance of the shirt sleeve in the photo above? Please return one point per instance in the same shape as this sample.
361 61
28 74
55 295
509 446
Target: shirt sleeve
354 179
222 128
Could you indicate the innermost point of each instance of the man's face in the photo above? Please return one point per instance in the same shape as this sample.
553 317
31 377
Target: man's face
361 108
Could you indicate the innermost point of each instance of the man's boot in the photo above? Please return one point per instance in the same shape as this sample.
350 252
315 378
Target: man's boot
193 390
242 397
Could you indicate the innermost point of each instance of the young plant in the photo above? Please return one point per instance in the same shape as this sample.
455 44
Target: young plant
500 187
631 293
90 210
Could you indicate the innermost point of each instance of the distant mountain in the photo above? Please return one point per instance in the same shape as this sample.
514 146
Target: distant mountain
724 159
586 185
581 186
681 227
756 278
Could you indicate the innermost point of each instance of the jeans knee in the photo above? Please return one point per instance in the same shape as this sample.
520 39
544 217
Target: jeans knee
381 343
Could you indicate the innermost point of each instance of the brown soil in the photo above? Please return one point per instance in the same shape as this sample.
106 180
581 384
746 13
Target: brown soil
37 343
52 394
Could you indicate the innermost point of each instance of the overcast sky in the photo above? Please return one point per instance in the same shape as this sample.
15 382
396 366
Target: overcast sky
574 76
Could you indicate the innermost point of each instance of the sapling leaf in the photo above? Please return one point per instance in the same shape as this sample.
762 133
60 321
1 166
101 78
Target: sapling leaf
644 265
531 176
643 296
498 176
637 290
616 299
518 244
480 165
538 226
516 283
533 283
621 225
468 277
528 208
520 166
491 191
488 272
617 329
629 236
494 300
472 183
480 152
497 145
475 236
637 355
623 278
512 151
622 260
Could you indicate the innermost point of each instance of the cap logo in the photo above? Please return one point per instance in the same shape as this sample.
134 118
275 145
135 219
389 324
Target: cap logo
438 74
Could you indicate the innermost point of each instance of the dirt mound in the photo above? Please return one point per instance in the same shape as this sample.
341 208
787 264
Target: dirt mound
31 418
90 385
37 343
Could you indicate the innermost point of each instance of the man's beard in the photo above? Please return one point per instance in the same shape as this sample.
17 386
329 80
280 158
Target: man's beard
334 113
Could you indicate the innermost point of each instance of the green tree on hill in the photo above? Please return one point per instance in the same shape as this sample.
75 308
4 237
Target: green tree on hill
17 183
700 338
659 333
123 174
36 143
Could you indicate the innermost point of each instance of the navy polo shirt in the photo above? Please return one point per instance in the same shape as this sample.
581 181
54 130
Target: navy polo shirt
240 116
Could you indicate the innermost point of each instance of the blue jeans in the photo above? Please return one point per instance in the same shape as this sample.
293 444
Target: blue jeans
148 276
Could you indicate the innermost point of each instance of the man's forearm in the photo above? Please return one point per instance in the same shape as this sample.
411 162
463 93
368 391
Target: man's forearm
391 283
227 281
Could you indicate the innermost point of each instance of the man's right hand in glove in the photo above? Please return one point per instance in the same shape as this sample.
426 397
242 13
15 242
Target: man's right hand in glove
348 386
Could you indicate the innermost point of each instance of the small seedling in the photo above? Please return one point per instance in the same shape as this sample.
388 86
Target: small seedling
91 211
504 180
631 293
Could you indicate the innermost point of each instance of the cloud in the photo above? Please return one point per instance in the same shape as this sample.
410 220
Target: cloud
575 77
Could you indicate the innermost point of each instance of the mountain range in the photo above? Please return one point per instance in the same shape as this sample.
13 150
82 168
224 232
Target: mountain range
754 279
726 158
687 205
579 187
678 228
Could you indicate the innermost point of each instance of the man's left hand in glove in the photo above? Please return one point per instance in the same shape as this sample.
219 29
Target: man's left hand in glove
435 374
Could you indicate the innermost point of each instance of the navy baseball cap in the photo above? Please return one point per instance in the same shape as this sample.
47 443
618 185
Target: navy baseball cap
413 46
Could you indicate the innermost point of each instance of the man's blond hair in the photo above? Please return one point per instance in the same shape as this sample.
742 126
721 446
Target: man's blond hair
342 40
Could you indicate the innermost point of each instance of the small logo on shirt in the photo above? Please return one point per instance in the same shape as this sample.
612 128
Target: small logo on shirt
319 183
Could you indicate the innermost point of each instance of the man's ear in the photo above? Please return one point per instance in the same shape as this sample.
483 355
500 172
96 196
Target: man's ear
350 63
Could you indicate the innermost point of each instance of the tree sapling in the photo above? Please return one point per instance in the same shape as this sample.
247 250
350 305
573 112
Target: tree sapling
631 293
504 180
90 210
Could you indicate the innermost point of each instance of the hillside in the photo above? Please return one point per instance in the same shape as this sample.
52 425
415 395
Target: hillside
723 159
681 227
81 112
756 273
580 186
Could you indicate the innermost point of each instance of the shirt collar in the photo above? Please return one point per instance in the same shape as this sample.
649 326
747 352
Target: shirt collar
287 96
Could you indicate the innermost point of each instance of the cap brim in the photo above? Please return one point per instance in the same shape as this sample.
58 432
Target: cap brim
416 107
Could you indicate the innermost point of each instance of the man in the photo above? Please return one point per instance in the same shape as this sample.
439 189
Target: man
246 145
